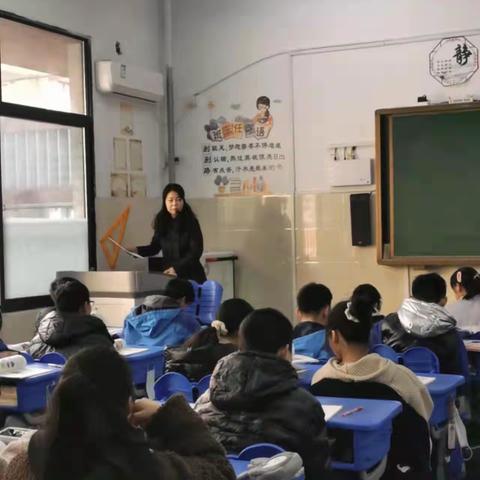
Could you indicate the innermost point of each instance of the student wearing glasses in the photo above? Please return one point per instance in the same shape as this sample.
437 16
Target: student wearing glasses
70 326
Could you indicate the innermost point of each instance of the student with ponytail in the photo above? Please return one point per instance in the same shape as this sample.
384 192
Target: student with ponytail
465 283
93 431
354 372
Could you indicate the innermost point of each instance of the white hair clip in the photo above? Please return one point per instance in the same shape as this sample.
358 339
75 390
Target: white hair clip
349 315
459 276
476 276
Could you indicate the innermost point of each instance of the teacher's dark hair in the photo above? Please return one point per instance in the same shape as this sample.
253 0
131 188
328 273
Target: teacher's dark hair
163 219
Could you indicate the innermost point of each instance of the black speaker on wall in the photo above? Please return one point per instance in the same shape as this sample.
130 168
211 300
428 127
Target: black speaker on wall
361 219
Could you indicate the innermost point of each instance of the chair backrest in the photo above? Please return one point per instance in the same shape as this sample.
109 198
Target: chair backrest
376 334
421 360
192 309
463 359
260 450
171 383
203 385
386 352
27 357
53 357
211 293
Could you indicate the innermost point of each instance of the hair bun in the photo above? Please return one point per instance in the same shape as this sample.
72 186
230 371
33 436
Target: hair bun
361 309
220 327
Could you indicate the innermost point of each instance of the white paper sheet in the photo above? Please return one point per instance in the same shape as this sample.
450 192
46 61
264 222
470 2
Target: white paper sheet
331 411
303 359
426 380
127 351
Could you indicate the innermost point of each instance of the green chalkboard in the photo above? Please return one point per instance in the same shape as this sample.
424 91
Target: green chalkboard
434 174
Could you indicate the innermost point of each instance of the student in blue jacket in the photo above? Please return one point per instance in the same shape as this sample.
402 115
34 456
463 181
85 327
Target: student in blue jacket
313 306
163 320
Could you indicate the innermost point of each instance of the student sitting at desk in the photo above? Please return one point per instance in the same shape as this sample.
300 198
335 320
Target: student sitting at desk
70 326
92 432
162 319
198 356
423 321
254 396
313 306
356 373
465 282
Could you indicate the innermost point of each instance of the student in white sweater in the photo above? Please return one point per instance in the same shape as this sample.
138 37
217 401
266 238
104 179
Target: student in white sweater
465 283
354 372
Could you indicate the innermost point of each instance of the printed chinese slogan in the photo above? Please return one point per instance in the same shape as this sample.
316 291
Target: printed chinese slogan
242 157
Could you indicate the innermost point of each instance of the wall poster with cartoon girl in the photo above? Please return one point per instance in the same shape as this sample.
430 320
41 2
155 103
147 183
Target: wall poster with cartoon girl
241 157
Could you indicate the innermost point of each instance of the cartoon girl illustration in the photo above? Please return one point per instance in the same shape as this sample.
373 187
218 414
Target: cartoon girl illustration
263 117
263 120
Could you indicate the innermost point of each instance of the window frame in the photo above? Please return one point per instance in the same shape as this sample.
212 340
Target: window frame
85 121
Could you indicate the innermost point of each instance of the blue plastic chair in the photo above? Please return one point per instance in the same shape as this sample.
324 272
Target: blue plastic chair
376 334
203 385
386 352
211 293
259 450
53 357
421 360
192 309
171 383
27 357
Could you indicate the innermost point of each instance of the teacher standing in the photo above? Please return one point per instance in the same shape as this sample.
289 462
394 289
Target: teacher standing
178 235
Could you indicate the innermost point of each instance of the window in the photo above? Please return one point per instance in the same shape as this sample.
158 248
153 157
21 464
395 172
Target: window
46 152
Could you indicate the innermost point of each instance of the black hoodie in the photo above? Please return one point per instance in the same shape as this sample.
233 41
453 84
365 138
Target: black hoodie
254 397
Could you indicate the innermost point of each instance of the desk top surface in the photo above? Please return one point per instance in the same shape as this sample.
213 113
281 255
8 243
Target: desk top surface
443 383
149 352
373 415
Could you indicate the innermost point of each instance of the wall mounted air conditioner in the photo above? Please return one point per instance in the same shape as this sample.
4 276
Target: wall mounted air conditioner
128 80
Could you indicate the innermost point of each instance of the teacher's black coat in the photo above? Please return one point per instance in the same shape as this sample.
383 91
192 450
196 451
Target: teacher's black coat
182 249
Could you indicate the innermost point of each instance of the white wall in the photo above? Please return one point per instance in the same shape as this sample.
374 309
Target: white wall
138 26
213 38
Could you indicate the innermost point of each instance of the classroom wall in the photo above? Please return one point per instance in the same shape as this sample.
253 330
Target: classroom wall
138 26
333 97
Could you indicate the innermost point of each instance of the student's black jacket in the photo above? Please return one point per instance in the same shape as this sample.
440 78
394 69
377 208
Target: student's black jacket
196 362
67 333
255 397
444 345
182 247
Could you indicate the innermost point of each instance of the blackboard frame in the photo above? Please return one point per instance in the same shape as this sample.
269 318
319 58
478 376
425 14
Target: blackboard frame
384 179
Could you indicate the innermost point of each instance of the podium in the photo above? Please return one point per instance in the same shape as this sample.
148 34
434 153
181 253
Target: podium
116 293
